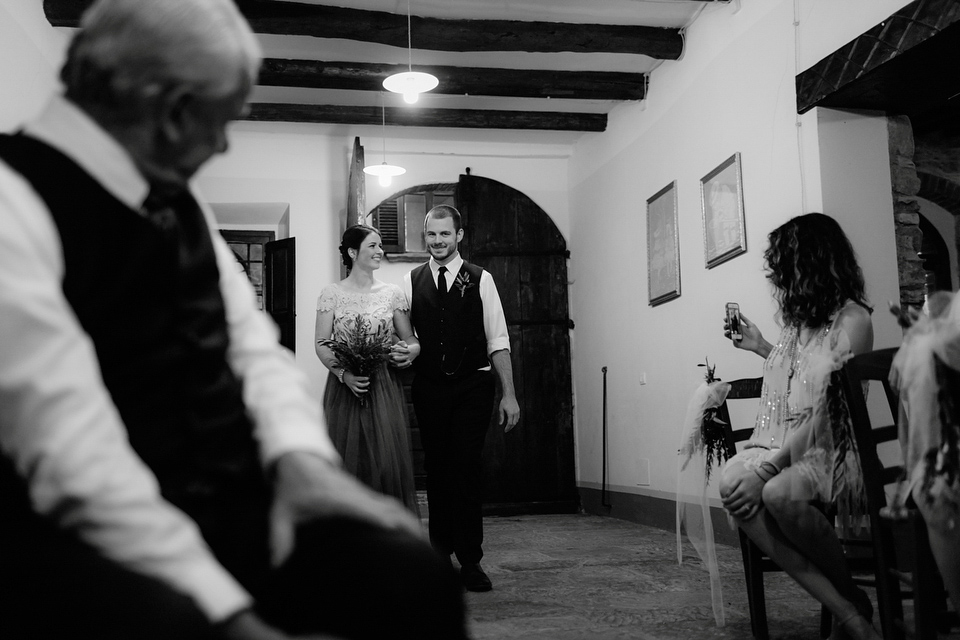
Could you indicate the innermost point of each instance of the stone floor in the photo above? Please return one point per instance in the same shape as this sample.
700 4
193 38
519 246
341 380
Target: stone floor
567 577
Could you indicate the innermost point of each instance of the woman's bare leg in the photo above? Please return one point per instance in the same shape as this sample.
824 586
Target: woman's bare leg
790 500
768 534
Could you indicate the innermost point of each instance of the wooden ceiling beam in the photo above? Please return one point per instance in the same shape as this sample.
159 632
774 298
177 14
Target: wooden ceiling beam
435 34
421 117
523 83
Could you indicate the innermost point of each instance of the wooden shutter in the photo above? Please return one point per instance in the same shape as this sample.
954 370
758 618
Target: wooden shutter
386 219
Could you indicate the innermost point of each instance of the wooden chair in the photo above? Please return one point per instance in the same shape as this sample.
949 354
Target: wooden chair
901 547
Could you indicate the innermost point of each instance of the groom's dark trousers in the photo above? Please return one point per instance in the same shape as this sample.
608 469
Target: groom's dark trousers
454 415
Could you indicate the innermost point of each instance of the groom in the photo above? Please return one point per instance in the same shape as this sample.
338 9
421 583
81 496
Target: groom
456 312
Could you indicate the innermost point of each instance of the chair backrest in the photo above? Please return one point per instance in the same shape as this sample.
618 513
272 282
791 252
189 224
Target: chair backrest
859 369
745 388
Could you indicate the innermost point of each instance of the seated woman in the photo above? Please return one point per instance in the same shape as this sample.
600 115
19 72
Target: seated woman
800 456
926 372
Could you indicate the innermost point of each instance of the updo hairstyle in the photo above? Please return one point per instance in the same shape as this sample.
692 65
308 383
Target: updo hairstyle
352 238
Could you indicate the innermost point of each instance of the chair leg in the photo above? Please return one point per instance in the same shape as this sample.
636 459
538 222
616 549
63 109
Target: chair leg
753 568
826 622
927 586
889 601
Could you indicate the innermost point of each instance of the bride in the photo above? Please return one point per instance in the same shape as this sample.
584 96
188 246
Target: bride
366 414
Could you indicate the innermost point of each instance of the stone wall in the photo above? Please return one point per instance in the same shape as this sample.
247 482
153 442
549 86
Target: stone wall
906 210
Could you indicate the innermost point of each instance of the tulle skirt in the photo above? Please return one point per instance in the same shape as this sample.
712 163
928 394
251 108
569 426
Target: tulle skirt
372 437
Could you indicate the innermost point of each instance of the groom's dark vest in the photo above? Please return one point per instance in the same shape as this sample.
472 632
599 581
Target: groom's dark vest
150 300
453 343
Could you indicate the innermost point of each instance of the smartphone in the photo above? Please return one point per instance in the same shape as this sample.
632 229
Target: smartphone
733 321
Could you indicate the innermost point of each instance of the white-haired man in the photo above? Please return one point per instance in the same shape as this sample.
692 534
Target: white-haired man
163 472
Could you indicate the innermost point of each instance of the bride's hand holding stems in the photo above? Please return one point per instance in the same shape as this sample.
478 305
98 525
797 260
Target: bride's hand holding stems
358 385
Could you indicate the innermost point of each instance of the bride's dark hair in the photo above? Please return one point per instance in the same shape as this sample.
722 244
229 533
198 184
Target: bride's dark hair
352 238
813 269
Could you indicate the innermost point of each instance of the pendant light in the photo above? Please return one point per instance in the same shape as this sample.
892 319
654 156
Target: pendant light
385 172
410 83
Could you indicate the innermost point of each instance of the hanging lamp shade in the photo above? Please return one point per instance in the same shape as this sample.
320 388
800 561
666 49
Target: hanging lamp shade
410 83
385 172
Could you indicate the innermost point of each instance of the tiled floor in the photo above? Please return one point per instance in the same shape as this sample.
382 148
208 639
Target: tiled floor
567 577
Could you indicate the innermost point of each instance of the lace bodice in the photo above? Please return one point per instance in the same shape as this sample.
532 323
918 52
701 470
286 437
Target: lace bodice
378 306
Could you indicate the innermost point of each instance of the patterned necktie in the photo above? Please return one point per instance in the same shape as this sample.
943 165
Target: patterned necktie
442 281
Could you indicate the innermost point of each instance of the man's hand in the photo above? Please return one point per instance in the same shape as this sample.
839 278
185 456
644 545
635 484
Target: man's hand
308 487
401 356
509 413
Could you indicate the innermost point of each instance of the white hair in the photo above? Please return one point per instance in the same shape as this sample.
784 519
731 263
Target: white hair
128 50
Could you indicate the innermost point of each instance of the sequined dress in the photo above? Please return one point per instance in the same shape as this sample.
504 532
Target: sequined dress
372 437
796 390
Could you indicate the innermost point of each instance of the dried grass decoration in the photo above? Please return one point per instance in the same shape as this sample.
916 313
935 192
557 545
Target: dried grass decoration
709 439
362 350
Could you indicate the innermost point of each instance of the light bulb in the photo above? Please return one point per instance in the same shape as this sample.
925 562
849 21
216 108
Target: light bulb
411 97
385 180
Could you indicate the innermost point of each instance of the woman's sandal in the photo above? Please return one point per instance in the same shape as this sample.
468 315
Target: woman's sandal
857 627
845 629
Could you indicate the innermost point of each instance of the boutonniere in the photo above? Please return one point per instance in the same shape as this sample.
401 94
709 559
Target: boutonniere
463 283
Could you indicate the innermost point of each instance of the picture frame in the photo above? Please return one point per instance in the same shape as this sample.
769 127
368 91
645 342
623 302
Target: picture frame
721 201
663 246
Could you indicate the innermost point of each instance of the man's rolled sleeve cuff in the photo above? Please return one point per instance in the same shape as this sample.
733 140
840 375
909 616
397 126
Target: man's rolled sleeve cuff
498 344
217 593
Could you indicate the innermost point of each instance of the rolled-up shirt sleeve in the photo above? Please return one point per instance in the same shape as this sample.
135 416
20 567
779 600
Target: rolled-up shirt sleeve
62 432
494 322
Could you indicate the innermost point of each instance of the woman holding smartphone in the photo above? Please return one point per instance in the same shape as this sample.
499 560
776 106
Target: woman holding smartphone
800 455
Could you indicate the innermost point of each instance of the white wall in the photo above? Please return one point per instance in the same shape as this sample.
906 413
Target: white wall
732 91
30 54
855 176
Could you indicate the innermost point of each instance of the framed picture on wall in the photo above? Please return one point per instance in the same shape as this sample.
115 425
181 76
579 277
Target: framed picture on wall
721 199
663 246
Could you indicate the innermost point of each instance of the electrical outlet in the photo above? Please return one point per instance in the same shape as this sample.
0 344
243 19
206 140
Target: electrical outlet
643 378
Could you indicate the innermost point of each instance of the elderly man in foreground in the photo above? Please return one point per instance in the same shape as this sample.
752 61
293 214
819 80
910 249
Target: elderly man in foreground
163 472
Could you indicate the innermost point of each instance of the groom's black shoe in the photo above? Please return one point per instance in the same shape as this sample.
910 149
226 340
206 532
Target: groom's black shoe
474 579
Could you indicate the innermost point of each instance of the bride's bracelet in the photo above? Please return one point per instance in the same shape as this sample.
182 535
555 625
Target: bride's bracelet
340 373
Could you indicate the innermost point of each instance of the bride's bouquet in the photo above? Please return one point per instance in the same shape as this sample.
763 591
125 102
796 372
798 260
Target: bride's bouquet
362 350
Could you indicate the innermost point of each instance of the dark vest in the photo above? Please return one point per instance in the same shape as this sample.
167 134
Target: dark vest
150 300
453 343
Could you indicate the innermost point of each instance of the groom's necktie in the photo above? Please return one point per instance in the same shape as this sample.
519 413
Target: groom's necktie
442 281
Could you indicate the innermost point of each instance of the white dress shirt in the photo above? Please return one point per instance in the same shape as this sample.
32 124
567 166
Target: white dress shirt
494 322
58 424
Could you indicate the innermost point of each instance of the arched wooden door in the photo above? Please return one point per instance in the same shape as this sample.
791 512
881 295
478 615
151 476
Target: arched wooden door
530 469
